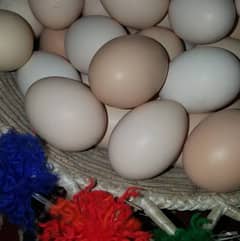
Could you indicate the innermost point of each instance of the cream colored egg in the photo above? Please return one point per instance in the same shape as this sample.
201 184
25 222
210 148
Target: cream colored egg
114 116
167 38
16 41
22 8
138 14
65 113
148 139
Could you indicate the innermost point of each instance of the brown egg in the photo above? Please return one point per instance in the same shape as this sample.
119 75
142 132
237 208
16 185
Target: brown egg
169 40
52 41
114 116
211 155
56 14
128 71
94 7
236 31
230 44
137 14
16 41
194 120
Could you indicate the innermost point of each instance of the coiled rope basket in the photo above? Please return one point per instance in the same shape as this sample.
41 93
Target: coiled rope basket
171 190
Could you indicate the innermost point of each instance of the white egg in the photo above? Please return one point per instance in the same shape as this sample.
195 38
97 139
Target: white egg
203 79
65 113
202 21
86 36
148 139
42 65
22 8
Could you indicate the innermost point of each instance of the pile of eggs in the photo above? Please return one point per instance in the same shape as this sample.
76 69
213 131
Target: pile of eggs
154 82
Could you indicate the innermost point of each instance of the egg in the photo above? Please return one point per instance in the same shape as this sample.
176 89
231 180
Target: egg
52 41
211 155
230 44
94 7
237 3
148 139
86 36
202 21
169 40
65 113
56 14
236 30
16 41
203 79
42 65
22 8
194 120
128 71
114 116
137 14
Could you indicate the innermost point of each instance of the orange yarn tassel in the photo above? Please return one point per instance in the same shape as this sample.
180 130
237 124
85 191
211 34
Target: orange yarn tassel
93 216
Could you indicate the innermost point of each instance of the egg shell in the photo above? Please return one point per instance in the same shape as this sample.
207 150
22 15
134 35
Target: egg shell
211 155
94 7
65 113
56 14
167 38
16 41
22 8
128 71
148 139
202 21
52 41
86 36
194 120
230 44
197 75
138 14
42 65
114 116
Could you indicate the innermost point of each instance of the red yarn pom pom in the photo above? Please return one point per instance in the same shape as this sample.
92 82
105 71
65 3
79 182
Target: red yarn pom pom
93 216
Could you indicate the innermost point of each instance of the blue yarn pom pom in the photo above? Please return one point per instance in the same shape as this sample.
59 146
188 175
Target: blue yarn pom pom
23 171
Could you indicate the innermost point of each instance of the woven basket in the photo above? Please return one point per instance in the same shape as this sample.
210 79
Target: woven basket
171 190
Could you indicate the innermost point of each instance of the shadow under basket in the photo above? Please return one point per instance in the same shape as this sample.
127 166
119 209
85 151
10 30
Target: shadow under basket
171 190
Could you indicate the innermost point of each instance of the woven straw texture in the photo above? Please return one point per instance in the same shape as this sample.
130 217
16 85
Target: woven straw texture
171 190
